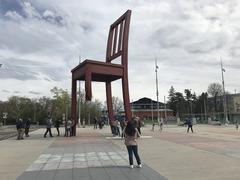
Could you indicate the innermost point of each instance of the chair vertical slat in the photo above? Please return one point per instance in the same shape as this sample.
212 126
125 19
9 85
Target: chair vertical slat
109 47
120 37
115 40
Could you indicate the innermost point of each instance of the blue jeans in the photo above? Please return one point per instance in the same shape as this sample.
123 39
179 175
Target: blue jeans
133 150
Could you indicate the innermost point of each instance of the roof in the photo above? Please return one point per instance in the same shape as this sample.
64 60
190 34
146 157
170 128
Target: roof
146 100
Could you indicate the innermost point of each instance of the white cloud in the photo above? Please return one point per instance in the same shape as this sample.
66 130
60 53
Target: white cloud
13 15
40 42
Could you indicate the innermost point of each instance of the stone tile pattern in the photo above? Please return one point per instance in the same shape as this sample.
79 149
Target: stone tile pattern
79 160
89 156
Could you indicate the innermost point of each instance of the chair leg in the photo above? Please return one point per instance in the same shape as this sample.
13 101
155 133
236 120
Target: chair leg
74 105
109 101
126 100
88 86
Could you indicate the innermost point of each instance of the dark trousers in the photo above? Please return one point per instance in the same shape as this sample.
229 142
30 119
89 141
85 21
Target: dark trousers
57 128
133 150
50 132
139 129
26 131
190 127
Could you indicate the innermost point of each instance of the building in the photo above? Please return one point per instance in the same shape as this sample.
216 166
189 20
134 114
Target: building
233 103
146 109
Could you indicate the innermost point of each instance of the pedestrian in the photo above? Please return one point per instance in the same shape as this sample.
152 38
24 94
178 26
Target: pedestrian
161 126
114 127
69 128
27 127
20 127
236 125
95 123
138 124
123 124
65 127
153 126
57 125
48 127
131 136
119 130
190 124
100 123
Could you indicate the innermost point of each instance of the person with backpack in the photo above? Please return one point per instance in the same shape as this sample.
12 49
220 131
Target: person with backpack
189 124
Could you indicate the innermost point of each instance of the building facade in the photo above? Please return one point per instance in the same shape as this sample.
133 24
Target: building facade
146 109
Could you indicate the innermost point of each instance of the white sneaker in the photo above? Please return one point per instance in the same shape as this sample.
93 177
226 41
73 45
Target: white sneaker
139 166
131 166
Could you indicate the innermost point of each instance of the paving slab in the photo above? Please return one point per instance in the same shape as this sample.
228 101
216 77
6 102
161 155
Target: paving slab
207 154
89 155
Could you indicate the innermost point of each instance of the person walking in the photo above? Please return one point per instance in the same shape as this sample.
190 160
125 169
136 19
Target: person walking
20 127
119 130
138 124
161 126
48 127
57 125
27 127
236 125
123 124
190 124
131 136
95 123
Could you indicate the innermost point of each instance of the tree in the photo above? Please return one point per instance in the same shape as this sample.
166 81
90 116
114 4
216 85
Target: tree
39 109
201 104
176 102
172 100
117 104
188 96
215 89
180 104
60 103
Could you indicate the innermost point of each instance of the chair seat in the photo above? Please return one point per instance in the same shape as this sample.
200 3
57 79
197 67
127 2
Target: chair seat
99 71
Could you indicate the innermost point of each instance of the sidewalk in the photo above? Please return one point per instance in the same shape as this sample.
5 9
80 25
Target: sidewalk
88 156
209 153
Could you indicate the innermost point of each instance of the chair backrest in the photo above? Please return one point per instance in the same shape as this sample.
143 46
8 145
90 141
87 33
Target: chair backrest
117 44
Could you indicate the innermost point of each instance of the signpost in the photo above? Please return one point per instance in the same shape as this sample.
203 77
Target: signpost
5 114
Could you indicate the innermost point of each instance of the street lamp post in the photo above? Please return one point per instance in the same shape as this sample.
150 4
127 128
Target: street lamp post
165 110
152 110
156 68
205 108
79 100
224 96
191 102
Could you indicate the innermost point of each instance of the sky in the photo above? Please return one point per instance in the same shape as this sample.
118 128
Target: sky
42 40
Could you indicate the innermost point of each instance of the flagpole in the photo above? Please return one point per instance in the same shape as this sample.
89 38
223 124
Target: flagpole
156 68
224 96
79 99
165 110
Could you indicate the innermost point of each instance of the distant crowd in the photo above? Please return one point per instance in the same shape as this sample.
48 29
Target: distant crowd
24 126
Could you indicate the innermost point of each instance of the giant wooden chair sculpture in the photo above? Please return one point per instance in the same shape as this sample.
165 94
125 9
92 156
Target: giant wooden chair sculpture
91 70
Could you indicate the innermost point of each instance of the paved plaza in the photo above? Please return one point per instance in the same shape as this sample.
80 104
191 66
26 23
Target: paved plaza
211 152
